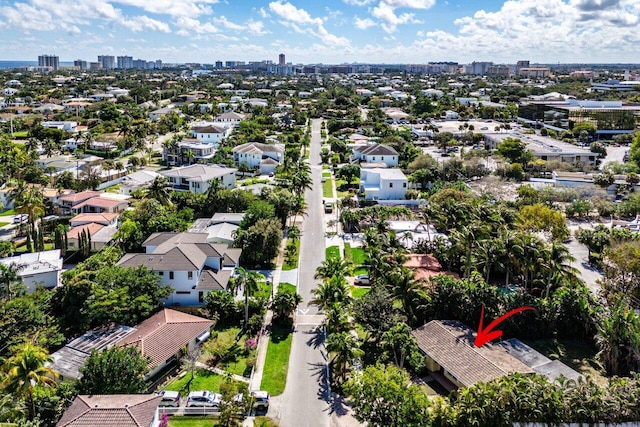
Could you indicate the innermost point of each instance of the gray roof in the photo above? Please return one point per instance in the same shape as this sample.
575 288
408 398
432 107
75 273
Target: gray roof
209 129
211 281
258 147
552 369
70 358
199 173
231 217
451 345
378 149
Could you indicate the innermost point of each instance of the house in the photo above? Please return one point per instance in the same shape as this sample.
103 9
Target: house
451 115
265 157
410 233
187 263
189 151
48 108
71 127
137 181
68 361
162 337
425 266
449 350
221 228
121 410
376 153
99 235
93 202
230 117
156 115
210 134
37 268
198 178
383 184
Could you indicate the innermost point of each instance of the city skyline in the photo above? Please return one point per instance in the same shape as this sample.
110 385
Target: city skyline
334 31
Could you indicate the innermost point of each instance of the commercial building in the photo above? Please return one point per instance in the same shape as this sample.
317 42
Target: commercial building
108 62
52 61
124 62
80 64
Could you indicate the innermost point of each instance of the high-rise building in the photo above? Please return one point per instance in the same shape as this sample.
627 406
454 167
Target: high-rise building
124 62
80 64
108 61
218 64
52 61
281 59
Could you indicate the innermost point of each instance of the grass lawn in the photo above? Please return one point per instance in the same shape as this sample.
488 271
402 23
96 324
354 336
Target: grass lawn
285 286
332 252
23 248
359 291
198 421
357 257
277 362
2 224
8 212
575 354
433 388
113 189
203 380
291 262
21 134
327 188
264 289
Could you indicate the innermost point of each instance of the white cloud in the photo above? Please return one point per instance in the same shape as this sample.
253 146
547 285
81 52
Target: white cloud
256 28
302 22
189 26
359 2
224 22
363 24
263 13
385 11
191 8
143 23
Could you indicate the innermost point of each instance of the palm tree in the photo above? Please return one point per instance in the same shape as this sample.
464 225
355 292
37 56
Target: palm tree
405 289
337 319
9 280
26 370
332 290
119 166
558 261
333 267
108 165
160 189
345 349
248 281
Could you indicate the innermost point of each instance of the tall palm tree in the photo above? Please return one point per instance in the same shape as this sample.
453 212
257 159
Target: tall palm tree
333 267
345 349
160 189
405 289
27 369
248 281
10 280
331 291
557 262
108 165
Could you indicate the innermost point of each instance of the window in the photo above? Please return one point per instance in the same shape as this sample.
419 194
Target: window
171 275
190 275
160 273
404 185
373 158
382 158
183 292
391 185
201 296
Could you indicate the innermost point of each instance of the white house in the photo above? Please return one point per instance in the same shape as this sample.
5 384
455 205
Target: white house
186 263
451 115
230 117
71 127
266 157
198 178
210 134
136 181
383 184
161 112
37 268
376 153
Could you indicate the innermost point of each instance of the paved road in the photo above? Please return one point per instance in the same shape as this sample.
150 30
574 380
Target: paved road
306 396
580 252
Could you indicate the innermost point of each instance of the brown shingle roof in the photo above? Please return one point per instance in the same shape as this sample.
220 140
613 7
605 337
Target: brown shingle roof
450 344
164 334
209 280
116 410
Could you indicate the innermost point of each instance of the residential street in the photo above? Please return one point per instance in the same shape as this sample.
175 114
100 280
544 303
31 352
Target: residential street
305 401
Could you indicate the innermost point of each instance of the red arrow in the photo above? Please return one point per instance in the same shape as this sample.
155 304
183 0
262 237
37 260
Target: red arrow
486 335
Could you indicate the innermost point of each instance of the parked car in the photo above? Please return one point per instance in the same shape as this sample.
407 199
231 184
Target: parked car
362 279
328 208
20 218
204 398
261 400
169 398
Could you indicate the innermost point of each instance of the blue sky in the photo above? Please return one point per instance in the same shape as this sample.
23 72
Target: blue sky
328 31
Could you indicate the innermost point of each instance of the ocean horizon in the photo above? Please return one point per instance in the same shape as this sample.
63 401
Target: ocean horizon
4 65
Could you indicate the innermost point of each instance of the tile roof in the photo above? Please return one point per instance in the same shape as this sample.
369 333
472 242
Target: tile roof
426 261
450 344
79 197
91 228
101 218
101 202
164 334
116 410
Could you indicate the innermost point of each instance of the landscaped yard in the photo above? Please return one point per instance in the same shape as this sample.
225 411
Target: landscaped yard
357 257
332 252
285 286
327 187
2 224
343 188
175 421
575 354
224 339
203 380
277 362
292 251
359 291
8 212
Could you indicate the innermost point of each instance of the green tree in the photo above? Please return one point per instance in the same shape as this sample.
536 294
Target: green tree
116 370
514 150
384 396
160 189
539 217
344 349
348 172
27 369
284 304
618 339
248 282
